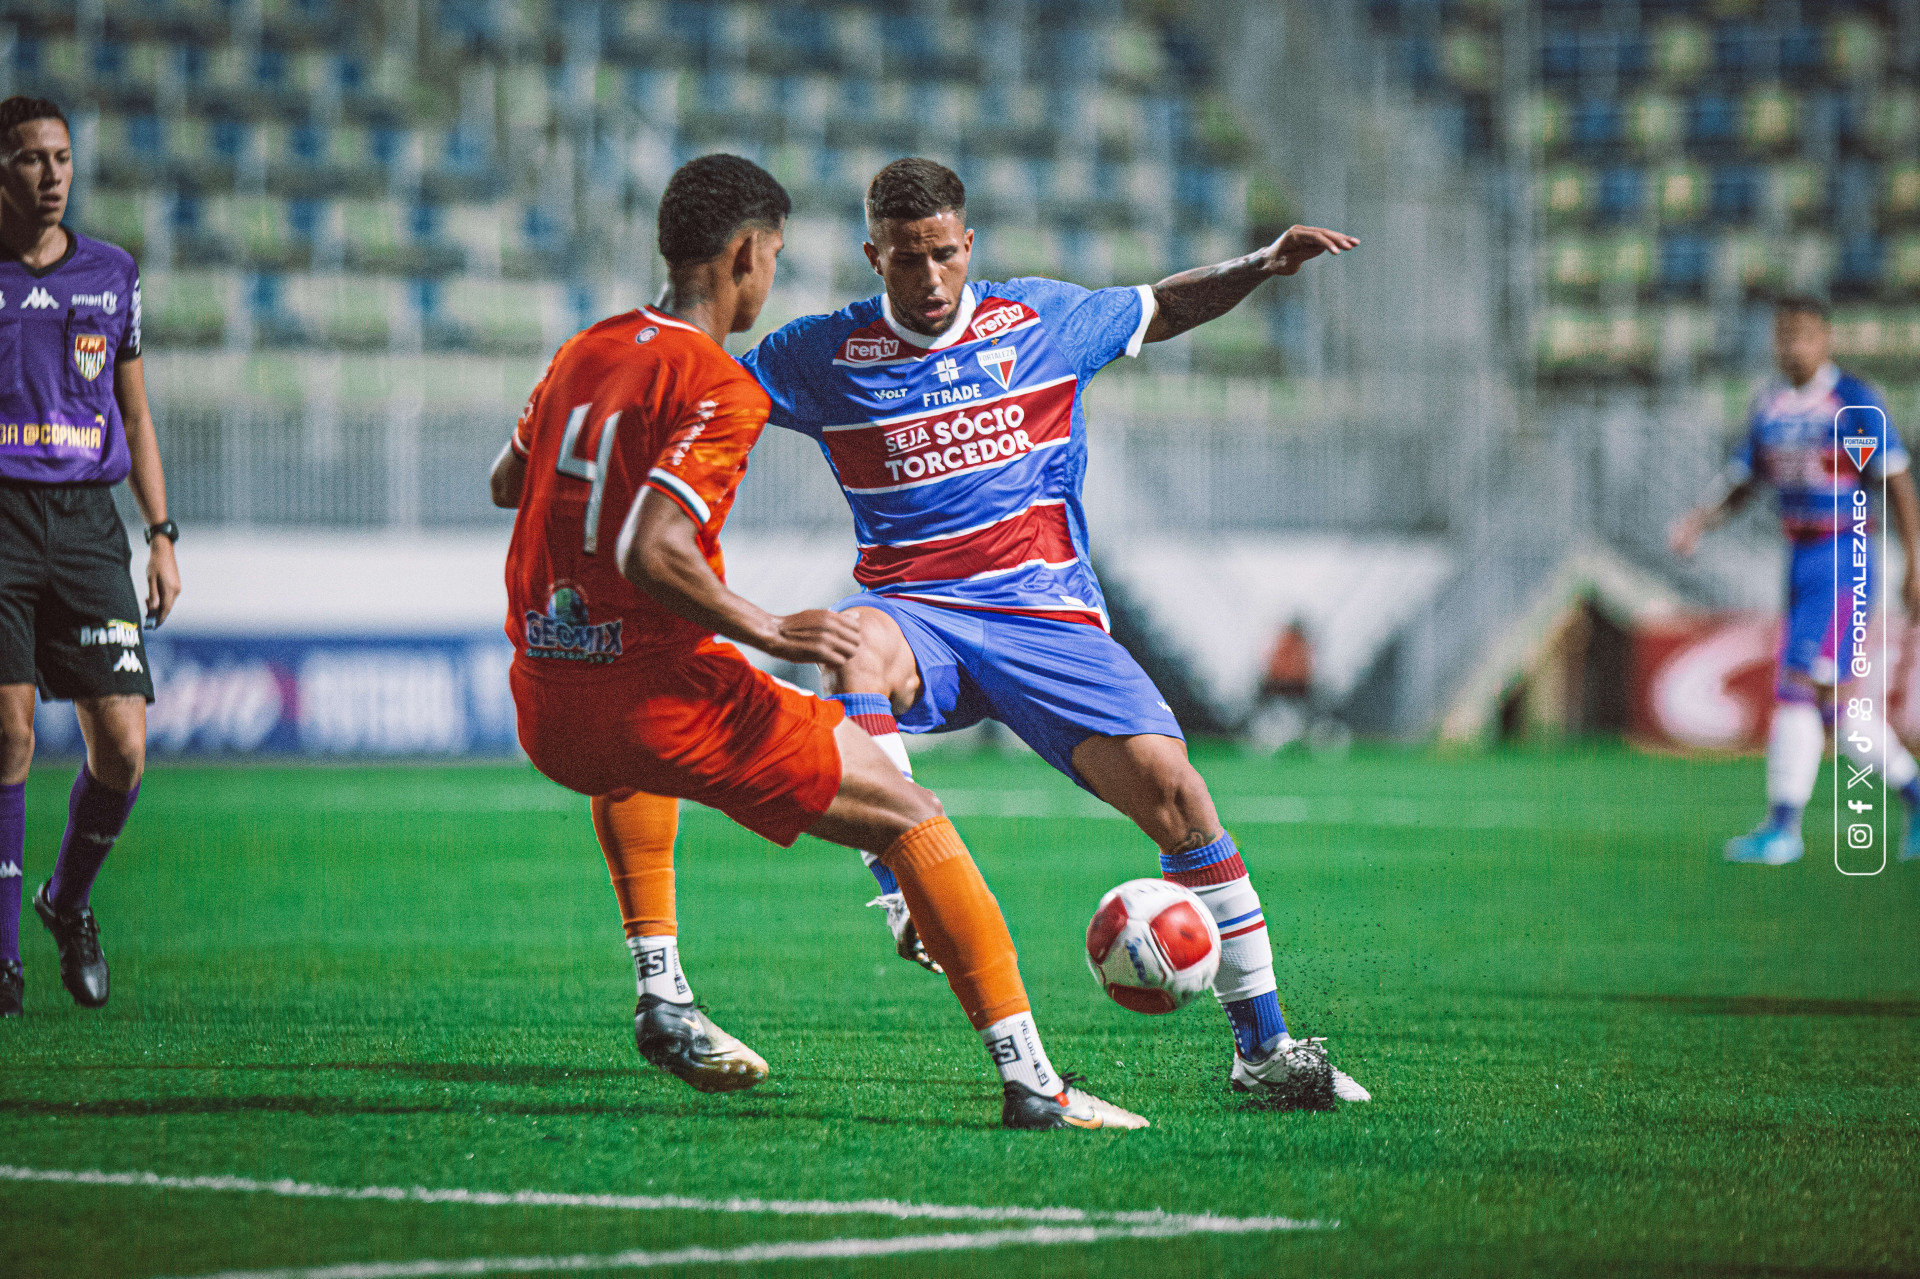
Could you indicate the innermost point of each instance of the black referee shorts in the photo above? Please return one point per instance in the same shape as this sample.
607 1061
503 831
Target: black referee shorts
69 617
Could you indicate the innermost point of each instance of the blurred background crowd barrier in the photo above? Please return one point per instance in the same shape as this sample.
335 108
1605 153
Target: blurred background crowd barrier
1447 460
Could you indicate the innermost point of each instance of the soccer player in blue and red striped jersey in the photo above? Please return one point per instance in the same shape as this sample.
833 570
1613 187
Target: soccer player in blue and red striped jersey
73 423
951 413
1794 442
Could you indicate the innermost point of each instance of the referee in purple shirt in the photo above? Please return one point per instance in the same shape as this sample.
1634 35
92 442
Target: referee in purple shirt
73 423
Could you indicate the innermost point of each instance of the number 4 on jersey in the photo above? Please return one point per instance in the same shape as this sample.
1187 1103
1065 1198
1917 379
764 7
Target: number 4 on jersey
593 472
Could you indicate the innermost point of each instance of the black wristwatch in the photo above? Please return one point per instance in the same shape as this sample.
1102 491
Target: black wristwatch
165 528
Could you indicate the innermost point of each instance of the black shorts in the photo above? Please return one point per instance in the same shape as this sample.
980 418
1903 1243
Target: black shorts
69 617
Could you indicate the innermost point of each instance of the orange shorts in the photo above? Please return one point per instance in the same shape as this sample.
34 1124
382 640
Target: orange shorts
701 724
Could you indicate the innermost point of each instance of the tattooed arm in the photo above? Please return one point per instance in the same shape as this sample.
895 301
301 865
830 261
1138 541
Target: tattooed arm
1193 297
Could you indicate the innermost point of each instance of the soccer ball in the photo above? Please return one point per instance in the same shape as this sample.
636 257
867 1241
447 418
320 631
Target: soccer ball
1153 945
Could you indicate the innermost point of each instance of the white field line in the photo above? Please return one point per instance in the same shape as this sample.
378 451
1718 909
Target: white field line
1153 1220
796 1251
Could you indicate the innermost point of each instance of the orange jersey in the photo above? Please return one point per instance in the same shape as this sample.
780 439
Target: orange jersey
640 401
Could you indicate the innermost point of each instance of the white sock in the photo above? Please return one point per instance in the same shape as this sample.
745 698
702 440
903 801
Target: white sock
1246 957
656 968
1014 1044
1795 743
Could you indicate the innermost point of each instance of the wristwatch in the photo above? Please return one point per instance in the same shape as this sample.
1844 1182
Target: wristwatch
165 528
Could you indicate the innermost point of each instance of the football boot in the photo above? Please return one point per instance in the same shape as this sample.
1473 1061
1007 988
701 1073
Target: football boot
1766 847
1072 1107
1293 1074
13 988
682 1040
906 938
83 968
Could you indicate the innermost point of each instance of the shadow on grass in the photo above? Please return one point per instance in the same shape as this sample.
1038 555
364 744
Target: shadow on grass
330 1107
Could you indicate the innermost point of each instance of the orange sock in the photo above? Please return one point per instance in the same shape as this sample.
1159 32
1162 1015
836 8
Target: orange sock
637 834
959 921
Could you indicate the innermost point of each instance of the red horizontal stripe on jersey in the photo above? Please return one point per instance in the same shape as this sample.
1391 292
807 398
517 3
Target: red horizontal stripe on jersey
876 725
673 497
1219 873
1084 617
952 441
1038 534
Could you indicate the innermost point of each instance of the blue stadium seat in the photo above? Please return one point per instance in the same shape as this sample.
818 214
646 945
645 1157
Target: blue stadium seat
1684 262
1623 195
1597 122
1734 193
1712 119
1862 260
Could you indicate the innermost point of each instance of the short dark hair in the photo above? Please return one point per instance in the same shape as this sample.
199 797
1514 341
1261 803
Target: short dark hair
19 109
709 199
915 188
1802 304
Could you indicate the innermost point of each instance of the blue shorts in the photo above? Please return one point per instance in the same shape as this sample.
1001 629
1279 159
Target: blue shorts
1055 684
1813 629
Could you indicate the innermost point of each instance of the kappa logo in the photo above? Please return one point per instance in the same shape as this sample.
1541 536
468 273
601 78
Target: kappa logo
89 354
988 323
11 870
1859 448
872 348
3 301
129 661
998 361
948 369
40 300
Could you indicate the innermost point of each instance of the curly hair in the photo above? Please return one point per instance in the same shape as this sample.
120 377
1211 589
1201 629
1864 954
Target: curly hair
709 199
915 188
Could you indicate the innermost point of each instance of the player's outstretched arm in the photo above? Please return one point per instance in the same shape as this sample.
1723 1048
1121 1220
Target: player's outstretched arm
508 476
149 485
659 551
1191 298
1684 534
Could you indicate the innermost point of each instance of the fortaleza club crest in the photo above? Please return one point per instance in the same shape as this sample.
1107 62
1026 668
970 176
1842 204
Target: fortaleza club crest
89 354
564 631
1859 448
998 361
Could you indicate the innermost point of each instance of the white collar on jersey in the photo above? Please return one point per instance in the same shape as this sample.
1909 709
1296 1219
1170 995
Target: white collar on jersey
661 317
1814 394
962 317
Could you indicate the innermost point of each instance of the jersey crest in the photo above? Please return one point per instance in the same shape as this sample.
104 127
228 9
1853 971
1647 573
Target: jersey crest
89 354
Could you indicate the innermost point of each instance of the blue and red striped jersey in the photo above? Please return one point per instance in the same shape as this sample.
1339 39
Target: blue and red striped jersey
962 456
1797 440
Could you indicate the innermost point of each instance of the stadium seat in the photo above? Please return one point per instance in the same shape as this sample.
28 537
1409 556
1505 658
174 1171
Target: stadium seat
118 217
1902 198
268 234
1713 119
350 311
1733 192
1892 123
1903 264
1751 261
1861 265
1468 59
1623 195
1680 192
1572 264
1596 123
1631 340
1014 251
1544 122
493 315
1566 193
188 308
1655 123
1626 261
1131 54
1681 51
1856 48
1684 263
1567 339
1810 258
1769 120
1798 189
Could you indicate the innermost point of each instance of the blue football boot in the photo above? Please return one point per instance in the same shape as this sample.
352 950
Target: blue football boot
1767 846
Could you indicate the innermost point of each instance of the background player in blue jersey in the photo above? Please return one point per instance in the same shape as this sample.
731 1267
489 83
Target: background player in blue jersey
951 414
73 423
1794 443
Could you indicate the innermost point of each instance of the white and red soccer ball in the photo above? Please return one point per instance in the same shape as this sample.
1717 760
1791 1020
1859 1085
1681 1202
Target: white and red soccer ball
1153 945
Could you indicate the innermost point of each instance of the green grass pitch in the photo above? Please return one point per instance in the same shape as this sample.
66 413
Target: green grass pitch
1594 1048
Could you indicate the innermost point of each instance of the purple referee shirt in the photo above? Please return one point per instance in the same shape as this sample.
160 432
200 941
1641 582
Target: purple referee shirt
62 330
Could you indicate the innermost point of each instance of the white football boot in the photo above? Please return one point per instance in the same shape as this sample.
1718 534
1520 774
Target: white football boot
906 938
1295 1075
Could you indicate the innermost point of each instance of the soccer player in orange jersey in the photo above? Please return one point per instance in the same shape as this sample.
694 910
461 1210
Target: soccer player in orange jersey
623 467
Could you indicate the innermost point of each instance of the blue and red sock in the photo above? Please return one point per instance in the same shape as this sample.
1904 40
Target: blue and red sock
95 815
13 845
874 713
1244 985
